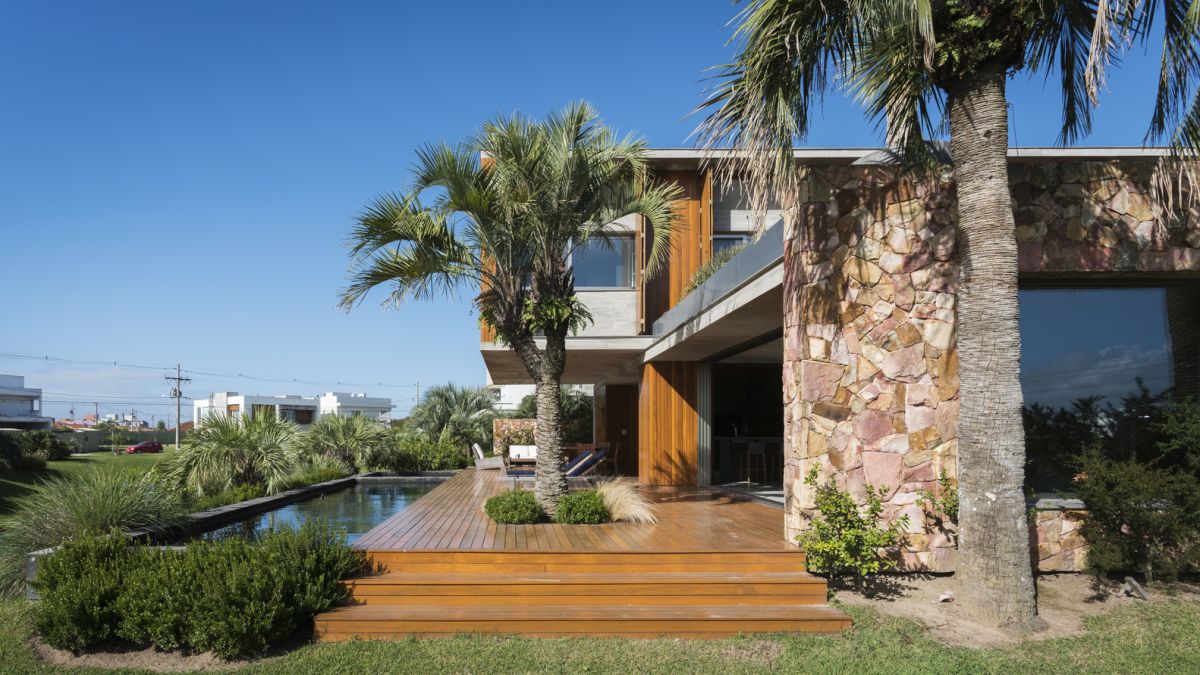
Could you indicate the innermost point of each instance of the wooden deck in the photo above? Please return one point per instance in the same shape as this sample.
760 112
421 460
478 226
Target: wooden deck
714 565
451 518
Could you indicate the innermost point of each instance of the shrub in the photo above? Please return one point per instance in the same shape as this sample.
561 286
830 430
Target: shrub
46 444
942 507
355 441
1139 518
226 452
314 469
845 540
514 507
10 451
231 597
625 503
80 585
412 451
231 496
585 507
74 506
710 268
30 463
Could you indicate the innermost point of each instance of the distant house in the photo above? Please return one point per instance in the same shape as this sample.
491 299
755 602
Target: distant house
21 406
302 410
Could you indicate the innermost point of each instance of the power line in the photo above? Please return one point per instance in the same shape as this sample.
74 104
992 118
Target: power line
247 376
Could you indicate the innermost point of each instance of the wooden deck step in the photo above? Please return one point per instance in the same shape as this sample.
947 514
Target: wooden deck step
394 621
785 560
573 588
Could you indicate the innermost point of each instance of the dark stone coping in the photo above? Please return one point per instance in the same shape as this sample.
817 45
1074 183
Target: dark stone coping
206 521
751 261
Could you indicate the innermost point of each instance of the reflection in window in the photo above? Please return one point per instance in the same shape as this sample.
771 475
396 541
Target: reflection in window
601 264
1097 368
725 242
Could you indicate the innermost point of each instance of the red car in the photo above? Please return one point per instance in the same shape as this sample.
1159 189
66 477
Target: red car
144 446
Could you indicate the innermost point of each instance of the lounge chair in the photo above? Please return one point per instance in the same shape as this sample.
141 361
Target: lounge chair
579 469
477 450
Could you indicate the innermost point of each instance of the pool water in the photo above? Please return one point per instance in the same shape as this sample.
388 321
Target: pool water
356 509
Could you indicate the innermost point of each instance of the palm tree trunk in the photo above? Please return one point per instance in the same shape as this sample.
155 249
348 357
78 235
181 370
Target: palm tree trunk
551 481
994 567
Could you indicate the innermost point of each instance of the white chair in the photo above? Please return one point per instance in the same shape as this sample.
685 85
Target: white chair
477 450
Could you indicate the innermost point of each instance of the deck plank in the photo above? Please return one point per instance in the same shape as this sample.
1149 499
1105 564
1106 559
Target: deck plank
451 517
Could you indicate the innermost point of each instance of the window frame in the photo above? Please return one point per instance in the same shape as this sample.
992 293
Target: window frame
632 264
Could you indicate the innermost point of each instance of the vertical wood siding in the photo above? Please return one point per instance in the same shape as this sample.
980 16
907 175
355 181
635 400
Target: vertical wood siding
667 423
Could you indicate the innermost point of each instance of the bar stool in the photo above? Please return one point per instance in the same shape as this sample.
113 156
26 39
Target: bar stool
755 461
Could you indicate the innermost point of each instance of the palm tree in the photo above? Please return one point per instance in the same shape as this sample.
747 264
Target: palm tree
507 209
353 440
910 60
456 415
229 451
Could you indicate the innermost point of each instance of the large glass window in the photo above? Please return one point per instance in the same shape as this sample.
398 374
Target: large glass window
725 242
601 264
1098 366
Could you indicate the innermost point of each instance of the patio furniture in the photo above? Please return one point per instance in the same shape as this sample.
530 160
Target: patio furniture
522 453
515 476
496 462
477 450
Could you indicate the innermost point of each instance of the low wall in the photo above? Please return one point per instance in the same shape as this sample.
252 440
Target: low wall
91 441
1055 527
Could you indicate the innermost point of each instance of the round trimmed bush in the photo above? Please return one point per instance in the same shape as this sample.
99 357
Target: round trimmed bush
515 507
585 507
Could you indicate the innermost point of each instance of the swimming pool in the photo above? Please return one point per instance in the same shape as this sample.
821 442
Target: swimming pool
357 509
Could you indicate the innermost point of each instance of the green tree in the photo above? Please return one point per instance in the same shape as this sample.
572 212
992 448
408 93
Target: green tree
505 211
233 450
909 61
452 414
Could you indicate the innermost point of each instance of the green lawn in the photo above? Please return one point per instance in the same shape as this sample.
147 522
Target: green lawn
16 484
1150 638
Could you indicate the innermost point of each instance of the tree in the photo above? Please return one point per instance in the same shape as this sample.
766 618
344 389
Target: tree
456 415
507 209
909 60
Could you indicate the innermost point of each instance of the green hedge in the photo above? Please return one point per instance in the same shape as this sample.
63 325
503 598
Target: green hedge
515 507
231 597
585 507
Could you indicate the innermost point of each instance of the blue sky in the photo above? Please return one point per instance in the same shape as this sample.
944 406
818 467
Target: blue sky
177 178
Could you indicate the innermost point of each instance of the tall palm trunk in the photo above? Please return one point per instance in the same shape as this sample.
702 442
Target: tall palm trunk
551 481
994 568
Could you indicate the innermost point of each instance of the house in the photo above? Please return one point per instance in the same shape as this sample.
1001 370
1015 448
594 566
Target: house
21 406
830 340
302 410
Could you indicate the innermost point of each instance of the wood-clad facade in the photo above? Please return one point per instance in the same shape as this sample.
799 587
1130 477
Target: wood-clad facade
668 424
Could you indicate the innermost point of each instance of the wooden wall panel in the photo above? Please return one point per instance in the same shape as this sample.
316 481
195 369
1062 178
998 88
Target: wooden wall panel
667 423
690 244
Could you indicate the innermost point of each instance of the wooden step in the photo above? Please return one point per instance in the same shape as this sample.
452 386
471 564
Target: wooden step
571 588
395 621
786 560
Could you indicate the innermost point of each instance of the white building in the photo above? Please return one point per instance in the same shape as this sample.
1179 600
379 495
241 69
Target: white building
21 406
508 397
302 410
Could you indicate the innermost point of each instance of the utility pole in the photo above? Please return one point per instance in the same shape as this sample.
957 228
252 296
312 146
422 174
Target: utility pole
177 392
418 393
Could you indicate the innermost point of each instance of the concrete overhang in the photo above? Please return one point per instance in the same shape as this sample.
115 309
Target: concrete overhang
741 302
589 360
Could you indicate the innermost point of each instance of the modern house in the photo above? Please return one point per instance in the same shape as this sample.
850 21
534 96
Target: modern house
21 406
302 410
830 339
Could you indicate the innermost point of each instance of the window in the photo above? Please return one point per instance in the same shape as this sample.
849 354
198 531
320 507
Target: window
1098 366
724 242
604 264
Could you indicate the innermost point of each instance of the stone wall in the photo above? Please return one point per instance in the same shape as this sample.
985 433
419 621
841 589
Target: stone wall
870 368
511 431
1058 541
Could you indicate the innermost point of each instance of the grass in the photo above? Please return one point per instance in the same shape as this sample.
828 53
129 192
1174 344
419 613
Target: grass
16 484
1149 638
